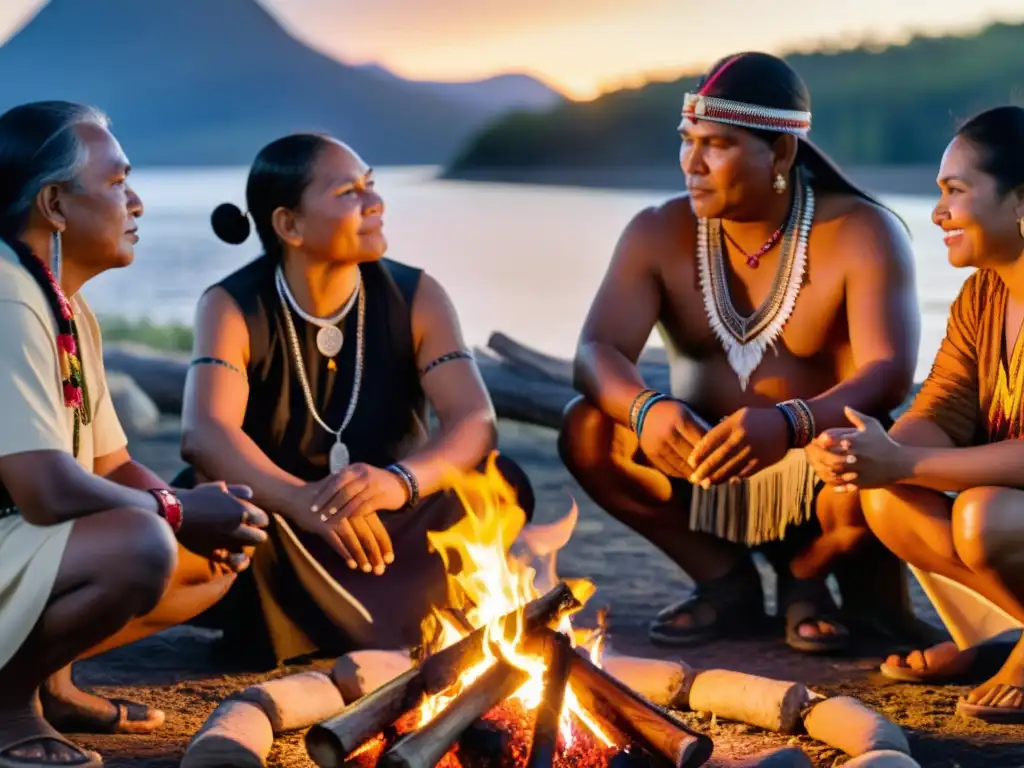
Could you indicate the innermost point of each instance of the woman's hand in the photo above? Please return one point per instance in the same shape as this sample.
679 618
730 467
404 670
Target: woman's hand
360 490
342 510
859 458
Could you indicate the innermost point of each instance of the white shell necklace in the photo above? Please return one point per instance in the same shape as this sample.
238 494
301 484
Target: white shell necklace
339 457
745 339
329 339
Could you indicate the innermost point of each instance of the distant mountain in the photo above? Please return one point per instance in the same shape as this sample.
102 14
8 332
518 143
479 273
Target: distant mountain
499 94
895 106
195 82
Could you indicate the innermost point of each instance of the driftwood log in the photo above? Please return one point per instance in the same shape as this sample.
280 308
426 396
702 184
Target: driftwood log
525 385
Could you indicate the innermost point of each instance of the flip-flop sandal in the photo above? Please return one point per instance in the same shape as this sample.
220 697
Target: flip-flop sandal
736 600
992 712
807 601
131 718
988 659
89 759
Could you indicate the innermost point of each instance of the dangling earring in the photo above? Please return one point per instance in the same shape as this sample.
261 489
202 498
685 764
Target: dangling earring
779 185
55 256
1020 226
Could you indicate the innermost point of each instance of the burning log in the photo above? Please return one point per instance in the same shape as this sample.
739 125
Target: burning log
549 715
650 726
425 747
483 740
330 742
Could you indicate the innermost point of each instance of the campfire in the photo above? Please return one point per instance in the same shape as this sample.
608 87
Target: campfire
502 677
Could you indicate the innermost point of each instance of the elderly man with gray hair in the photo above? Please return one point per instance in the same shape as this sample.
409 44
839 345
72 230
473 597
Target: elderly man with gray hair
95 550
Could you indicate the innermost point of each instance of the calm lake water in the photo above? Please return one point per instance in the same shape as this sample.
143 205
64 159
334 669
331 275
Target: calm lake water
521 259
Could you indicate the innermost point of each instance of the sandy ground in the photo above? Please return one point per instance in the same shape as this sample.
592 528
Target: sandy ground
177 670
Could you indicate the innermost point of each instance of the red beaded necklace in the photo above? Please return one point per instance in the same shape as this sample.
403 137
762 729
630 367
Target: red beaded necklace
754 259
73 384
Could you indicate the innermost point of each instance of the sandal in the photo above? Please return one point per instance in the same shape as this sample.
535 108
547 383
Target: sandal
991 711
87 758
971 665
808 602
70 716
736 601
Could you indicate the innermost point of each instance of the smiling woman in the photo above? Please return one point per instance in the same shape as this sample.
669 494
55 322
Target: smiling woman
313 367
944 487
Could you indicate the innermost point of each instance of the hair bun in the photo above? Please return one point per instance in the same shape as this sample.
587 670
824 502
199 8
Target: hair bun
230 224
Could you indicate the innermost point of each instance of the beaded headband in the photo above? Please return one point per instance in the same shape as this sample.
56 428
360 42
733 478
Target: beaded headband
696 106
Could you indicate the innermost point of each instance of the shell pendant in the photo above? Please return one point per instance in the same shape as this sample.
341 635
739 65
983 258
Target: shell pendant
338 458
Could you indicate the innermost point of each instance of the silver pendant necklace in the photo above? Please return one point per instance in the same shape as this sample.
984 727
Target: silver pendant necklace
330 338
339 456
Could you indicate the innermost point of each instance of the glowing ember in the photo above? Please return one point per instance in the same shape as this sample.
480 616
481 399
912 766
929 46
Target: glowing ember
485 583
501 739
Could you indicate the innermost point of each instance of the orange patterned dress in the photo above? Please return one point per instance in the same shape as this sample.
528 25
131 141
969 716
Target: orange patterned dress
974 395
971 391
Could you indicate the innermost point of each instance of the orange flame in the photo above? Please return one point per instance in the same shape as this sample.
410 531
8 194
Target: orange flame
485 583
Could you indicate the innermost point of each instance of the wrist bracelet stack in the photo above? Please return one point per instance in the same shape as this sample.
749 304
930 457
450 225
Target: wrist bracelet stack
800 421
409 479
641 405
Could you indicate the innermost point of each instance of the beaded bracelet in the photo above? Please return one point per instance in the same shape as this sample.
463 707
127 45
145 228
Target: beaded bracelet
791 423
645 408
800 420
638 403
409 479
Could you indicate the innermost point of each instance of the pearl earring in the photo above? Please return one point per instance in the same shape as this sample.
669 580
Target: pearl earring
779 185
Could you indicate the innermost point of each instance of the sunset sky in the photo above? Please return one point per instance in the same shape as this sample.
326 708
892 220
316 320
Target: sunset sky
583 47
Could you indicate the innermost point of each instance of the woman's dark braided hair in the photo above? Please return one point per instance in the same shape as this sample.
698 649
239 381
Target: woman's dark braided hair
39 146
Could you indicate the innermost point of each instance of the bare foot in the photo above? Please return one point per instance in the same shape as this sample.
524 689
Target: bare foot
1005 690
942 660
1000 699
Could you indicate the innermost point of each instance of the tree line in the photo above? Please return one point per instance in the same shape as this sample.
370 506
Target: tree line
896 105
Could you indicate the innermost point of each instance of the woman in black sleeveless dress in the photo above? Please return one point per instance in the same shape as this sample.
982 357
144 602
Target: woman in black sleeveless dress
312 370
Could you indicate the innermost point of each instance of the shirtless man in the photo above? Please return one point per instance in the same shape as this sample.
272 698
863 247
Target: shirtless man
783 294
